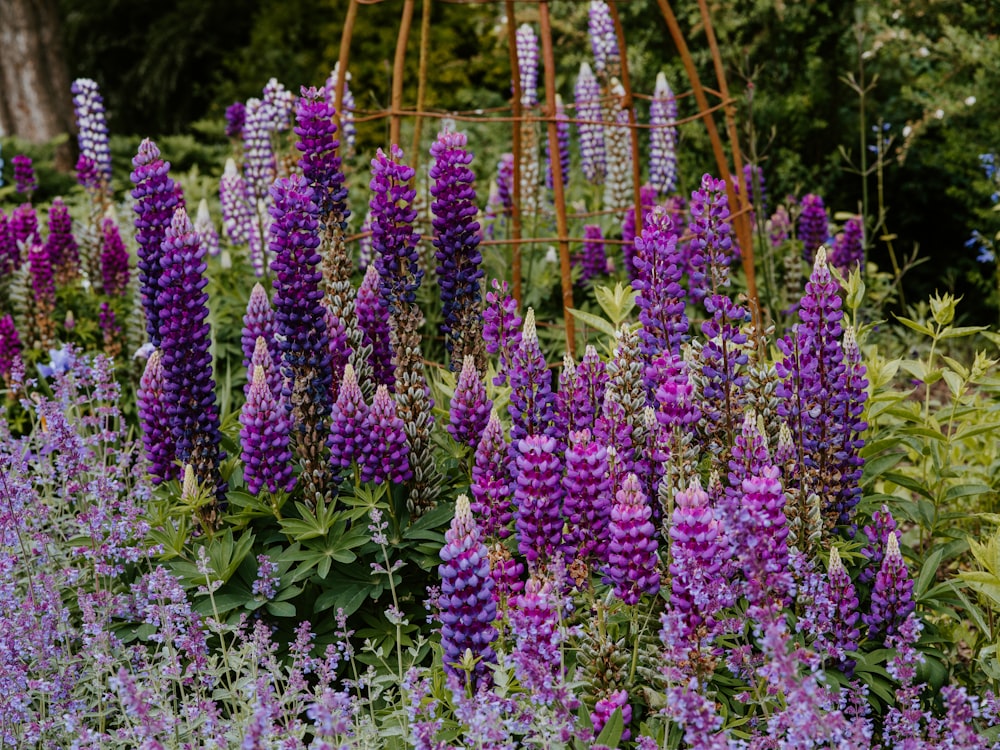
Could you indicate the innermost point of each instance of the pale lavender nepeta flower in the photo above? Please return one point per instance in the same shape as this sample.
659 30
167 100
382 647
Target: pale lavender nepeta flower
592 257
661 299
663 138
393 236
501 328
92 130
155 201
186 350
532 403
466 607
259 166
848 250
562 138
373 319
237 212
456 241
813 226
605 709
633 564
470 406
587 502
591 126
264 436
538 499
491 482
205 228
385 455
25 181
154 421
603 39
348 423
527 62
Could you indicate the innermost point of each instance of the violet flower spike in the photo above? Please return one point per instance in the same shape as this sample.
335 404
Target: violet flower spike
466 607
114 260
320 161
534 621
587 502
695 557
660 299
154 422
562 138
491 488
10 256
470 406
393 236
603 39
663 138
373 319
238 215
632 550
590 126
25 181
457 244
61 245
385 454
532 403
264 435
501 328
24 228
205 228
348 423
187 358
647 201
813 225
527 62
592 257
848 250
260 166
538 499
10 346
92 133
155 201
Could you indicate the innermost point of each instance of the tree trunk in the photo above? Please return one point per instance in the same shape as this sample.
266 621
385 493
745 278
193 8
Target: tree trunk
35 103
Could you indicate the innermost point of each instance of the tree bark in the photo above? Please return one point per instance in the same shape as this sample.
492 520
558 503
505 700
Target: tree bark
35 100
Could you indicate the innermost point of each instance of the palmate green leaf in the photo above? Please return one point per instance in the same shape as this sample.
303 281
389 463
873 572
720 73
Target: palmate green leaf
988 555
617 303
593 321
984 583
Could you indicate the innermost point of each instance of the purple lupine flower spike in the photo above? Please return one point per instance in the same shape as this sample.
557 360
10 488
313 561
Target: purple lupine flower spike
457 246
347 124
491 482
848 250
695 534
587 503
393 237
155 201
538 499
466 606
267 459
114 260
187 356
853 396
713 247
632 548
562 138
300 323
92 128
24 227
348 423
470 406
534 621
25 181
532 403
373 319
779 227
813 226
592 258
527 60
258 321
61 245
280 105
892 594
320 161
663 138
236 115
592 374
845 635
647 201
603 39
591 128
10 345
763 536
505 182
605 708
10 256
42 278
385 454
661 299
260 167
205 228
154 422
237 214
501 329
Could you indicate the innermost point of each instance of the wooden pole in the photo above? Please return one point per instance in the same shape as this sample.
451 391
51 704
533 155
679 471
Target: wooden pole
515 211
629 103
342 58
398 66
425 30
555 163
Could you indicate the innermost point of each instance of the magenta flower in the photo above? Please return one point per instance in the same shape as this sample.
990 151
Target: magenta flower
373 319
466 607
10 256
696 558
25 181
385 453
491 482
538 499
605 709
10 345
114 260
587 502
661 299
534 620
632 550
24 227
532 403
348 423
813 225
236 115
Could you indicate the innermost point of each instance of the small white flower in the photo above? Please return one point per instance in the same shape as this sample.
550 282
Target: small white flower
923 52
969 101
906 131
939 114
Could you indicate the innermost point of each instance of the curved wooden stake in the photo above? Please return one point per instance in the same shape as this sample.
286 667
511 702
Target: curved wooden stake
342 58
398 66
558 186
418 123
746 243
629 103
515 211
